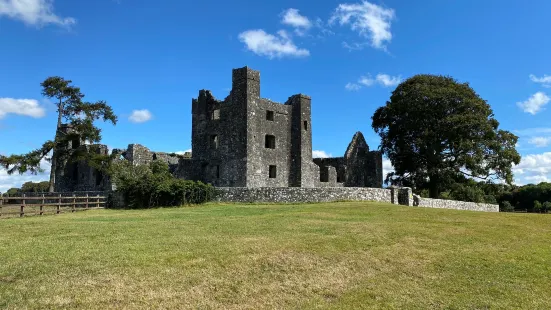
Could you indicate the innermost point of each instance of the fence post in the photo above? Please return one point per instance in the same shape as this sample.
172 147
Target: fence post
22 207
42 205
74 203
86 201
58 204
97 201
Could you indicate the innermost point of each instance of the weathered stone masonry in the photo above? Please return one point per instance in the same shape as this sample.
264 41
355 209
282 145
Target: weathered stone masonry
249 141
398 196
257 150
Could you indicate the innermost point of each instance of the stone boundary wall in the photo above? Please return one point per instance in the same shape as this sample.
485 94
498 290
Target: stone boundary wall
402 196
301 194
456 205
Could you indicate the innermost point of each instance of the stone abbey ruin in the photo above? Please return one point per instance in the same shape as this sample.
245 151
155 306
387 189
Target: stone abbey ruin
255 150
245 141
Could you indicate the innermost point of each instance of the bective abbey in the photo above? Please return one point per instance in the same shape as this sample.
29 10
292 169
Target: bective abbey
245 141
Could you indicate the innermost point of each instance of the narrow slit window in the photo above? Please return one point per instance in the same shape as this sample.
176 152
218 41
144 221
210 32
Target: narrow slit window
324 174
99 177
305 125
272 172
270 115
217 171
215 114
214 142
270 142
75 144
75 172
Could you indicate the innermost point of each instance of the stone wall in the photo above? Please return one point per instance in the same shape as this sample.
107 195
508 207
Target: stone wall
72 176
402 196
301 194
456 205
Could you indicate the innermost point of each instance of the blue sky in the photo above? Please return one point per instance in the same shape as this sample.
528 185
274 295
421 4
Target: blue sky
149 59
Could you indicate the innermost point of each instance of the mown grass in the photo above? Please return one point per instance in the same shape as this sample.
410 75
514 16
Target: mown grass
331 256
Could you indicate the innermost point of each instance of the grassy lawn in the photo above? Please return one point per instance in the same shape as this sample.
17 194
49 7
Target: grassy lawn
337 255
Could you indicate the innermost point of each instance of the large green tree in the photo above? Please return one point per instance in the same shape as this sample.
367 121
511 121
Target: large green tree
80 115
435 129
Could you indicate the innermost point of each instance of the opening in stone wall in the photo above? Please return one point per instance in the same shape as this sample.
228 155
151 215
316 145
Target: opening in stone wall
75 143
324 174
270 142
217 171
99 176
214 142
272 171
215 114
305 125
75 173
270 115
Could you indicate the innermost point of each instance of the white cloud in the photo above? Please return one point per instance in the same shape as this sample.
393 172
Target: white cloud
533 168
26 107
320 154
387 80
534 104
540 141
387 167
352 86
353 46
140 116
265 44
16 180
33 12
293 18
367 81
368 20
545 80
182 152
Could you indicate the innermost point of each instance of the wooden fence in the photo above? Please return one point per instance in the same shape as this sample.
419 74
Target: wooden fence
49 203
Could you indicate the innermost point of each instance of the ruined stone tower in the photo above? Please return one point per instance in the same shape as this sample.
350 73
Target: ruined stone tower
249 141
78 176
246 141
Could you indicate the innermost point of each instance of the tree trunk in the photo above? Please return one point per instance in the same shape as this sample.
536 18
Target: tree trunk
434 190
53 168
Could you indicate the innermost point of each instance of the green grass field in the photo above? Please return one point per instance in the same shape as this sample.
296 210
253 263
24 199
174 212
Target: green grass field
335 256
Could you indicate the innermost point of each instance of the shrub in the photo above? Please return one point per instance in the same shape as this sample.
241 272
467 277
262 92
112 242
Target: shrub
546 207
506 206
154 186
537 206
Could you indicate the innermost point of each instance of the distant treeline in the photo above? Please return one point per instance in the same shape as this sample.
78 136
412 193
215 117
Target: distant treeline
527 198
29 187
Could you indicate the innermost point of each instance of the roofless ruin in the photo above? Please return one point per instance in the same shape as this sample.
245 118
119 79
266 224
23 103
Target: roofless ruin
246 141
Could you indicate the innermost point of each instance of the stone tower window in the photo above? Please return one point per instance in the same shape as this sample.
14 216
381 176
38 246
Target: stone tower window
270 115
324 174
99 176
270 142
214 142
75 144
217 171
305 125
215 114
75 173
272 171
